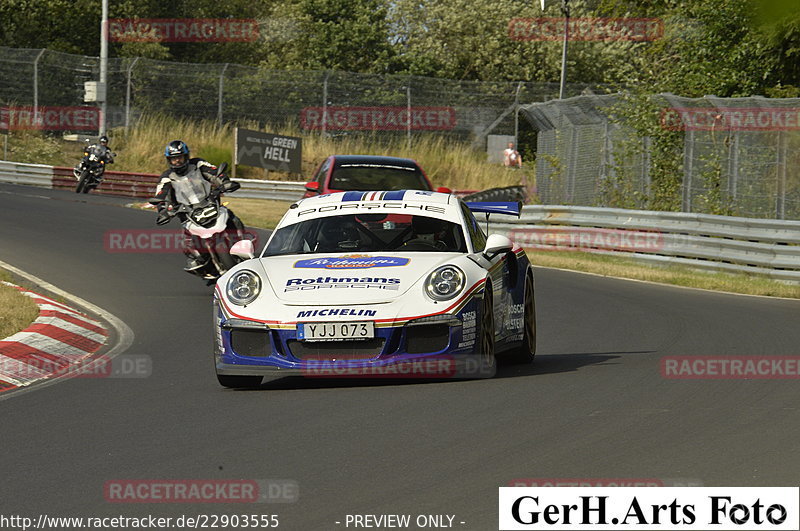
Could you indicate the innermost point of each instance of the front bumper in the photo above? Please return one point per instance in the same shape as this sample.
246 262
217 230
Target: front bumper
427 348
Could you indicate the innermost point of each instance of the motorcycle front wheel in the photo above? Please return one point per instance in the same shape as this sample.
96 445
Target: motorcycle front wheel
82 182
226 260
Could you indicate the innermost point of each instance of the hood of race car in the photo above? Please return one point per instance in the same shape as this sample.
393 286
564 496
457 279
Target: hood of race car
349 279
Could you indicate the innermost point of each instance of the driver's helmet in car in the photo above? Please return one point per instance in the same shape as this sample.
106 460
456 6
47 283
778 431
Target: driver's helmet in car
337 234
427 228
430 230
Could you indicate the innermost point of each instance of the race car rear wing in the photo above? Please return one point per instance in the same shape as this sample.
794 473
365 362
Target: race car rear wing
510 208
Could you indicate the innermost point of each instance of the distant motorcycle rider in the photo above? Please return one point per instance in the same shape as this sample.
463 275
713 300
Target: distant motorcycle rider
101 151
181 166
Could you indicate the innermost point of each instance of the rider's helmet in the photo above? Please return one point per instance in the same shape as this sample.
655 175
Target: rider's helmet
177 154
104 140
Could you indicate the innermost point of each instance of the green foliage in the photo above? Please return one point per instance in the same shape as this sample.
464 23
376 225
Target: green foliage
721 47
619 188
61 25
216 155
713 201
642 113
33 148
471 39
333 35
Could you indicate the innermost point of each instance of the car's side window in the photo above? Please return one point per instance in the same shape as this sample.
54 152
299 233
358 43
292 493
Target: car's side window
474 229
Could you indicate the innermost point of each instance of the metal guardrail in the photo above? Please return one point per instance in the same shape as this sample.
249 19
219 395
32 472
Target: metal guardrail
130 184
142 185
115 183
275 190
721 243
28 174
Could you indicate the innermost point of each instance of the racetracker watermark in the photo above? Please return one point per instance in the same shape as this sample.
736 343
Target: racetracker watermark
730 367
586 29
604 482
731 119
378 118
182 30
49 118
588 239
168 241
455 367
201 491
124 366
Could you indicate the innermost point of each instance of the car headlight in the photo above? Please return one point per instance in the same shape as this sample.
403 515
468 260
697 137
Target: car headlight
444 283
243 287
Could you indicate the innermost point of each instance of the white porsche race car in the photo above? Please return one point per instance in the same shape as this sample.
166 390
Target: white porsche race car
370 284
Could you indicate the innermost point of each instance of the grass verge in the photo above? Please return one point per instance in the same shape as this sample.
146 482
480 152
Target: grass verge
448 162
259 213
16 310
613 266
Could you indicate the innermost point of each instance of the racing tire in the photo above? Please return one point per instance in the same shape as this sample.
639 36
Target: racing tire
527 350
488 360
226 260
81 188
238 382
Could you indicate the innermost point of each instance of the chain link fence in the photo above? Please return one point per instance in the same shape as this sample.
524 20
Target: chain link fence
736 156
330 102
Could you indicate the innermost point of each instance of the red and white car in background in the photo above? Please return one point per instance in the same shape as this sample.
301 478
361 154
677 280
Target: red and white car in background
364 173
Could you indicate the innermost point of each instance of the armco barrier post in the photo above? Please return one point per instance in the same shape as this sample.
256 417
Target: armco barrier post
780 196
688 155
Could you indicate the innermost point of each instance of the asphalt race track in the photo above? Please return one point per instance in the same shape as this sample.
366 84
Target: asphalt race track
594 405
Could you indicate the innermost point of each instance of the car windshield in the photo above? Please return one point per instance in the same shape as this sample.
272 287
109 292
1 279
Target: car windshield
368 233
351 177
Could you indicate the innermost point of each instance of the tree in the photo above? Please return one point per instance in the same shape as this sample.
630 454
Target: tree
333 34
472 39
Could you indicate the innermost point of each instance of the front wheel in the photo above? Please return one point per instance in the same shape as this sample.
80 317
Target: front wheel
488 360
82 182
526 352
238 382
226 260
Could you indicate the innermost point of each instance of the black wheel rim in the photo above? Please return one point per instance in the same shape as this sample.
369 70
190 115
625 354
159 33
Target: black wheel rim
487 337
530 316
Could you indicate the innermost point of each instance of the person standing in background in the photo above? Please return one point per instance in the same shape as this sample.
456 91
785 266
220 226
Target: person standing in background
511 157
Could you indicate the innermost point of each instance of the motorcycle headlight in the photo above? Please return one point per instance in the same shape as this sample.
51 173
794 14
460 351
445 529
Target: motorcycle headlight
444 283
243 287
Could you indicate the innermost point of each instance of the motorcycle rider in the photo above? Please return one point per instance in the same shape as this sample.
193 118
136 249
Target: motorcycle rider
101 151
180 165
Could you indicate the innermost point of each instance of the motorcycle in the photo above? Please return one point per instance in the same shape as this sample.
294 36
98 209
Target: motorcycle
206 223
89 172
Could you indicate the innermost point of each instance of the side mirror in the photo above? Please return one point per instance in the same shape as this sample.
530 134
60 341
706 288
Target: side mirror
497 244
444 190
312 186
243 249
154 200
